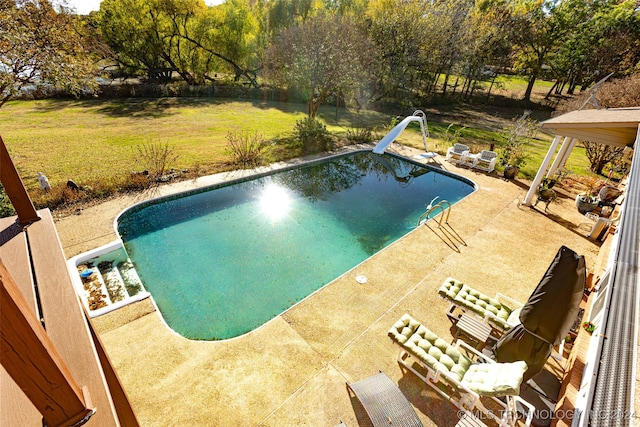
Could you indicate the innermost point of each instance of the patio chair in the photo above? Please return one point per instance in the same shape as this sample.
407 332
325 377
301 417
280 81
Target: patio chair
485 160
501 312
461 374
457 153
383 402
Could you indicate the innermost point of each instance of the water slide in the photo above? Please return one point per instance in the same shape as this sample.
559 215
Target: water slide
418 116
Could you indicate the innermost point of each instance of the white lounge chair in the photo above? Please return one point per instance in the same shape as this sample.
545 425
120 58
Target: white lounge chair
461 374
485 160
457 153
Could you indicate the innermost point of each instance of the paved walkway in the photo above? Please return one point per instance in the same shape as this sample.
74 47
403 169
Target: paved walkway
292 371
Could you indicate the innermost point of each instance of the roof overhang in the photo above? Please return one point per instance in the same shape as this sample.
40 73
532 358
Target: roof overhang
616 126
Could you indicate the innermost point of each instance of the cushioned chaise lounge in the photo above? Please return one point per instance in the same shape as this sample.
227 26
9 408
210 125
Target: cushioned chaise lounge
461 374
501 312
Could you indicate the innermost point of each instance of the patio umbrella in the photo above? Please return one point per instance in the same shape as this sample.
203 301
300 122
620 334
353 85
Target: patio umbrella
547 315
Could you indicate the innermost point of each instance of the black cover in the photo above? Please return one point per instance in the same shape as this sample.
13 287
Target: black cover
548 314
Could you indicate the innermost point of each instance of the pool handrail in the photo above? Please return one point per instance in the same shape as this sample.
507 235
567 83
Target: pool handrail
439 206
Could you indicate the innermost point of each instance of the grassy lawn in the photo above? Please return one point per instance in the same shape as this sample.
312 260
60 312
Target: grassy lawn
96 142
88 140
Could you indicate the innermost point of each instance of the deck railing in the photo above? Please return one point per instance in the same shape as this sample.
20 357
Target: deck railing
15 189
54 370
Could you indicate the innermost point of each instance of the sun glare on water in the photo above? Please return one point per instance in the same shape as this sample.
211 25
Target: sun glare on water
275 202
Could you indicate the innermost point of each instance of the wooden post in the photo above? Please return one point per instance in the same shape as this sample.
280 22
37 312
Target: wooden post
30 358
14 188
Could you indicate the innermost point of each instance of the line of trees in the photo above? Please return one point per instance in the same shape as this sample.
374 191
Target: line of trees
397 51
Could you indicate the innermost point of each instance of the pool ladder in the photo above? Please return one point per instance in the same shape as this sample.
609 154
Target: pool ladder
440 215
444 207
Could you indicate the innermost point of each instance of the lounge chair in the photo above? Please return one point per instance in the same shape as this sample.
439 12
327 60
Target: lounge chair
384 402
501 312
485 160
457 153
461 374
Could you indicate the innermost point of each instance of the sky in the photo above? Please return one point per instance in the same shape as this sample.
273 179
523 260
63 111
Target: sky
83 7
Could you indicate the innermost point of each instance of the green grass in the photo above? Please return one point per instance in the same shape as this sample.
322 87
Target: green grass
517 83
87 140
96 142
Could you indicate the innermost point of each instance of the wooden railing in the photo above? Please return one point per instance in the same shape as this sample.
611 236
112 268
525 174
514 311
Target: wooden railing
31 359
50 356
15 189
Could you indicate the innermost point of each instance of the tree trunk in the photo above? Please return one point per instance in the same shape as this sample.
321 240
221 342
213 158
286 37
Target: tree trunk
493 80
455 85
527 93
598 166
444 85
555 85
561 88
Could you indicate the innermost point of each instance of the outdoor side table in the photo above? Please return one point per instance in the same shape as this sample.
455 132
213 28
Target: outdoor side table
474 330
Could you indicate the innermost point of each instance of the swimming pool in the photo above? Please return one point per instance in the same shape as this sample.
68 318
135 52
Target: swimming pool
222 261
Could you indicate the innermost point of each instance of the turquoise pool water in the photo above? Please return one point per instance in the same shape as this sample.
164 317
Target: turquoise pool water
221 262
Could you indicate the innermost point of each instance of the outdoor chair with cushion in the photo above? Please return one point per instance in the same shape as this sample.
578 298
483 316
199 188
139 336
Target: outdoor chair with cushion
457 153
500 312
461 374
485 160
383 402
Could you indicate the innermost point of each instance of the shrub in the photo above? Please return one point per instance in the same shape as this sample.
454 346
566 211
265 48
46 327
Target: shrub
359 135
246 149
313 135
6 208
135 181
156 157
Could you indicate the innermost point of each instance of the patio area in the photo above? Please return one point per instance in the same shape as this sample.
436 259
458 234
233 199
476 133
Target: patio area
293 370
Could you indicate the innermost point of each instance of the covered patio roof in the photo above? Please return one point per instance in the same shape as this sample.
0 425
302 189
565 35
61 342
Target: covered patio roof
616 126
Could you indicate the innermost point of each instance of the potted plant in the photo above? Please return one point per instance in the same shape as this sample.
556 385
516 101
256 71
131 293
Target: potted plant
588 201
512 158
589 327
513 154
545 192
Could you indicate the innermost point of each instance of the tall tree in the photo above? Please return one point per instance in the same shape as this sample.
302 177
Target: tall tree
235 37
605 38
537 28
40 46
322 56
399 30
181 35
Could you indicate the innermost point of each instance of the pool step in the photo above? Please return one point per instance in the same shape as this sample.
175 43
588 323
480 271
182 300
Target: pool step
109 283
95 290
113 281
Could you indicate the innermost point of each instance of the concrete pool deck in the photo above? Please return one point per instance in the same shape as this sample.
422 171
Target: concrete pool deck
292 371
